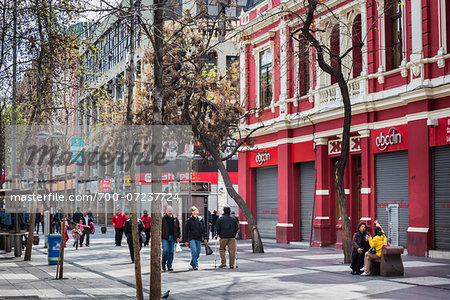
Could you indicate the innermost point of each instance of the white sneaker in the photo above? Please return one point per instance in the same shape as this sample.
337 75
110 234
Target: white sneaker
365 274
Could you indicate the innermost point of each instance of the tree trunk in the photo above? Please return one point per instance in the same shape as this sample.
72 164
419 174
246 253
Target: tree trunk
337 74
29 247
340 169
155 254
134 222
257 244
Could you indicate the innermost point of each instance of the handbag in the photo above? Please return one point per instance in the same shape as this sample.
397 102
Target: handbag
208 250
373 250
178 248
143 237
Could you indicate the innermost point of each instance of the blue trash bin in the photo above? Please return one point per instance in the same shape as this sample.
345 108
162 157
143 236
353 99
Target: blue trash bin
54 243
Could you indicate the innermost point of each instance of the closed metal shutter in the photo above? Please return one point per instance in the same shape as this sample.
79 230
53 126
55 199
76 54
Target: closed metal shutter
392 188
267 201
306 198
441 197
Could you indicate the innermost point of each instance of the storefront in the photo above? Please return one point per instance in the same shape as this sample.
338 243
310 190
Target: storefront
264 162
391 181
306 199
392 175
267 201
440 138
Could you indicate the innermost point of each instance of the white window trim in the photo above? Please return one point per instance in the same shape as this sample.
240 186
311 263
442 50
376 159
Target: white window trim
442 32
297 70
256 52
381 38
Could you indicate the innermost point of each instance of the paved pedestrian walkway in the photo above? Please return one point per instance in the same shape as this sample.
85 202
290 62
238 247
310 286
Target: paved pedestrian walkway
283 272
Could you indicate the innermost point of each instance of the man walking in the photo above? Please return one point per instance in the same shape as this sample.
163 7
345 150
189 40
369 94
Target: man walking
77 216
146 219
129 234
170 231
118 221
226 228
57 219
213 221
195 234
87 229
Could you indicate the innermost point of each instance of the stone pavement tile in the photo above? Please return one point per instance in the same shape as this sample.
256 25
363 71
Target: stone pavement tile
321 256
333 268
273 259
412 293
426 280
415 264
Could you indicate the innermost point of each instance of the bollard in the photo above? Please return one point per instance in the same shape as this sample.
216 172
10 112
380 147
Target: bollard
2 242
46 227
8 243
17 245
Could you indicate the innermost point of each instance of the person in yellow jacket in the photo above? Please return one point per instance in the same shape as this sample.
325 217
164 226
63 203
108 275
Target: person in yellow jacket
377 242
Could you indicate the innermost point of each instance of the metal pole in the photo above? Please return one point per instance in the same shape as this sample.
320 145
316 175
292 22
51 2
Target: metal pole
17 237
76 134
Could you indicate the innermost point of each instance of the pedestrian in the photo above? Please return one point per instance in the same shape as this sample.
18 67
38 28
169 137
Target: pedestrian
77 215
87 229
66 233
213 221
42 219
195 234
359 248
233 214
226 228
377 243
37 220
146 219
76 234
91 215
57 219
129 234
118 221
170 231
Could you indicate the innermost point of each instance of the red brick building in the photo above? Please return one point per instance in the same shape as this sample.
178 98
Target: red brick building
399 163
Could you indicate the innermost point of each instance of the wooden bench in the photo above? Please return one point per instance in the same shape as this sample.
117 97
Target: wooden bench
390 263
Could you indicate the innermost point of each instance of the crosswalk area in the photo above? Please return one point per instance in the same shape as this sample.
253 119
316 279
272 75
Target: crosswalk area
104 271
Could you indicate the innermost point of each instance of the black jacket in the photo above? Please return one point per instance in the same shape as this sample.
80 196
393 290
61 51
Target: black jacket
85 229
226 226
214 218
127 230
195 229
165 228
77 216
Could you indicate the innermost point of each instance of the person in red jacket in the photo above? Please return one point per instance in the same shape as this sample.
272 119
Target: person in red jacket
146 219
118 221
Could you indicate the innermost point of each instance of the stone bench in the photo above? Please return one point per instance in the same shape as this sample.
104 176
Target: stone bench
390 263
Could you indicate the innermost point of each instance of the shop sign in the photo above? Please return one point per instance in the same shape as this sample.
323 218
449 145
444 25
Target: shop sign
262 157
440 133
335 146
105 185
391 138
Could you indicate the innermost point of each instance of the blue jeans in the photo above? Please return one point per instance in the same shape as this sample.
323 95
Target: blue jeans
168 249
196 248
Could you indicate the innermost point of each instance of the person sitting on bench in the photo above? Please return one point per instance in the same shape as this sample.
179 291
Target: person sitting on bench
377 243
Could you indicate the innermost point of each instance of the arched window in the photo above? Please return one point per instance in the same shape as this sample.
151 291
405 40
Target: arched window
334 47
357 52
